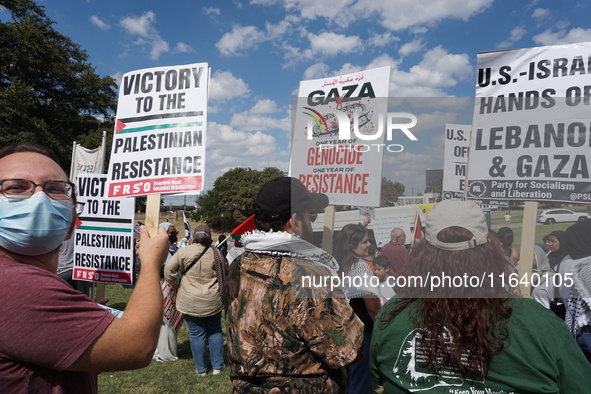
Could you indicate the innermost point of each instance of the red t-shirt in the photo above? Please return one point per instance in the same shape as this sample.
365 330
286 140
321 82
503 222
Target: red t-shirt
45 327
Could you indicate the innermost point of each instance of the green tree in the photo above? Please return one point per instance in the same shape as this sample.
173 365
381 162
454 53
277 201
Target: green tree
232 195
390 192
49 93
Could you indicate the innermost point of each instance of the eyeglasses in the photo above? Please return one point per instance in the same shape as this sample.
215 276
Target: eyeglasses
312 214
80 208
550 241
24 188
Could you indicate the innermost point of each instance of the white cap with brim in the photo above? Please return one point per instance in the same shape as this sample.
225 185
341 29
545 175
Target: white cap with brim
464 214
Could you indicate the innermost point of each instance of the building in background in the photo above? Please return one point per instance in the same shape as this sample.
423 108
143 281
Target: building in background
433 175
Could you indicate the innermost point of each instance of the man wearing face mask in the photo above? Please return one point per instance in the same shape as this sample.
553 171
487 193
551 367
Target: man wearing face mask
54 338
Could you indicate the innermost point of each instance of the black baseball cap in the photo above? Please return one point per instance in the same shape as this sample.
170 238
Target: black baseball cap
279 198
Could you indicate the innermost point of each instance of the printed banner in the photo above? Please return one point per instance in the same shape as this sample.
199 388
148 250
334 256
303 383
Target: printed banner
531 131
159 142
104 243
345 163
87 161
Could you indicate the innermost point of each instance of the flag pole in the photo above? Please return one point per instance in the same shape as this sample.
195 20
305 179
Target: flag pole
73 161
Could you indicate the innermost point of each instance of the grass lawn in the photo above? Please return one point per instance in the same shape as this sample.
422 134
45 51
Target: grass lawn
169 377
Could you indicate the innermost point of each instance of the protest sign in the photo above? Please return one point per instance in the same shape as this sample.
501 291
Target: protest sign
455 162
103 248
531 125
159 141
383 225
171 316
338 136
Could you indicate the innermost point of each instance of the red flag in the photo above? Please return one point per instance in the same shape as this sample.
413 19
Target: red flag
418 231
245 226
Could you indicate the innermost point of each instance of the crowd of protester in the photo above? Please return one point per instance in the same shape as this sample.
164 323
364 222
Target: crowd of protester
283 333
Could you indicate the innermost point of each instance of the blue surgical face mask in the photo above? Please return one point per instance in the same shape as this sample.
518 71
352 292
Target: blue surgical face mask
35 225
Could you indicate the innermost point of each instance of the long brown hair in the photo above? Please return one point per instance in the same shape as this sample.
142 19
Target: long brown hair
474 318
346 240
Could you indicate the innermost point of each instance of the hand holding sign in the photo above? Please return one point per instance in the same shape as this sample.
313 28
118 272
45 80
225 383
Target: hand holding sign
152 251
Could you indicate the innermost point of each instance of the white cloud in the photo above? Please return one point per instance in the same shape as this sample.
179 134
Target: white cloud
260 117
411 47
540 13
243 38
240 39
397 15
181 47
380 40
209 11
563 37
408 168
438 69
228 148
516 34
316 70
265 106
407 13
249 121
117 77
98 22
337 11
331 44
224 86
143 26
263 2
158 47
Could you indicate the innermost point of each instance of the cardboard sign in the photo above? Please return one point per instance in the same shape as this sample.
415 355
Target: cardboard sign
338 136
159 141
104 243
531 129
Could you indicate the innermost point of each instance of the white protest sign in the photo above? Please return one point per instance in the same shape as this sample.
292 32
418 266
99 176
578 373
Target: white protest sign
159 141
345 163
103 248
531 130
455 162
383 225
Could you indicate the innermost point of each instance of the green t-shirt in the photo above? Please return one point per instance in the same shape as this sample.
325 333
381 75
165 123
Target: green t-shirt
539 356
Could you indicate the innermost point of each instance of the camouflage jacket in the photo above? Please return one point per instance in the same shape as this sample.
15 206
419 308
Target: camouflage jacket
278 342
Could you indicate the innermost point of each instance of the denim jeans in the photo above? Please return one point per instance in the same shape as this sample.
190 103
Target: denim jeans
359 379
201 330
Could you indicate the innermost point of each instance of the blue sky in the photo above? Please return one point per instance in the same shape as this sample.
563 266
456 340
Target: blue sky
259 50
